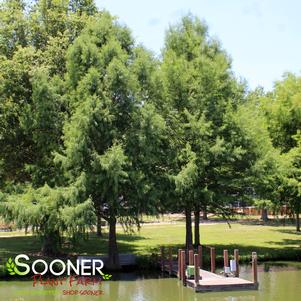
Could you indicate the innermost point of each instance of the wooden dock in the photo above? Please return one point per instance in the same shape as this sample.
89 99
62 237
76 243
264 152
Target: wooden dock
213 283
205 281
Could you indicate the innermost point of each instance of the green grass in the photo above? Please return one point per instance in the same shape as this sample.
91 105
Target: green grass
270 242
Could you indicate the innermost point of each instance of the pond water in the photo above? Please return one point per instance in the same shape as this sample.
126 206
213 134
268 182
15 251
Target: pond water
278 282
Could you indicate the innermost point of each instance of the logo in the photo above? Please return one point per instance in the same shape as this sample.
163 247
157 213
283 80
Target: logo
57 267
12 268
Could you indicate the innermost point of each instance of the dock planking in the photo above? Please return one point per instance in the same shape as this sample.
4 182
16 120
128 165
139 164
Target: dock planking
212 283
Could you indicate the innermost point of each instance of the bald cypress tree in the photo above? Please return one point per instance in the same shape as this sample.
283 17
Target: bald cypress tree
34 38
105 136
209 156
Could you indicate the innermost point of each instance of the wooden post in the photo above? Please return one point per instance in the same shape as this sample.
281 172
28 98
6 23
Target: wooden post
196 270
212 256
226 259
183 267
162 259
190 261
254 267
179 264
170 261
236 257
200 256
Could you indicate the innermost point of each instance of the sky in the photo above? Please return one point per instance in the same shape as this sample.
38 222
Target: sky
261 37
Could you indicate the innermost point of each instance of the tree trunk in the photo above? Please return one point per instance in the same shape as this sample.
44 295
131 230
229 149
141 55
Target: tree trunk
264 215
113 263
98 230
298 219
188 229
205 217
51 244
197 227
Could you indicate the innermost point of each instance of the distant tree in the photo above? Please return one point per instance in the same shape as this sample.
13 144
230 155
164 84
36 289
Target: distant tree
264 206
290 185
282 108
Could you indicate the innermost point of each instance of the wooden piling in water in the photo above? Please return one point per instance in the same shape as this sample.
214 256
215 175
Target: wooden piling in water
226 259
200 256
190 258
179 264
236 257
210 281
254 267
183 267
196 269
212 258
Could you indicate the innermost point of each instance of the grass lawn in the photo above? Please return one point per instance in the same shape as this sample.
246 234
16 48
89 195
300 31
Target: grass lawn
270 242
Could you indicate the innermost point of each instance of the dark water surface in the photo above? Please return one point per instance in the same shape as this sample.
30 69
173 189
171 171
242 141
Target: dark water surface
278 282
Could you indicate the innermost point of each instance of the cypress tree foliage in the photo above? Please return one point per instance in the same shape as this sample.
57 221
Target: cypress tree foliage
13 27
33 37
263 179
42 121
197 88
211 160
93 107
107 134
93 127
50 212
291 180
33 43
283 111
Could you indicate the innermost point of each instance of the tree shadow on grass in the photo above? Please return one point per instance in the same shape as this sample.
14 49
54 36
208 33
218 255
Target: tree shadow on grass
13 245
261 223
245 251
31 245
289 249
96 245
287 242
288 231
